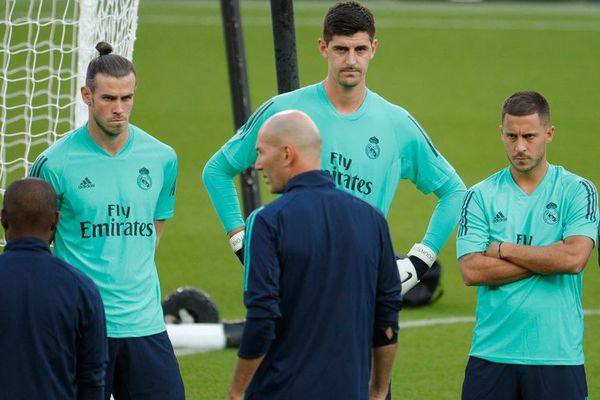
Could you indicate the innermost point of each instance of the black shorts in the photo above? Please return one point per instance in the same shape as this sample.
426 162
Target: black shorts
143 368
485 380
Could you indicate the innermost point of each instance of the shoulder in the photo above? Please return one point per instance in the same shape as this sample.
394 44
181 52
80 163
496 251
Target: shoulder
496 179
337 200
288 100
364 211
378 102
264 215
62 146
271 213
147 141
59 153
570 179
80 280
405 124
489 187
355 203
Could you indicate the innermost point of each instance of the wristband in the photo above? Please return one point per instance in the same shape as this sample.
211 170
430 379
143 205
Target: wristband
381 336
499 253
237 241
424 253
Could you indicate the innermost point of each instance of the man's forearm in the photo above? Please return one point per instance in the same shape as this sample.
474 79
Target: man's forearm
485 269
446 214
256 340
159 225
565 257
244 371
383 361
218 177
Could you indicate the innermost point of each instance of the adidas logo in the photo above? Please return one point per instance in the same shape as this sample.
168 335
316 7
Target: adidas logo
86 183
499 217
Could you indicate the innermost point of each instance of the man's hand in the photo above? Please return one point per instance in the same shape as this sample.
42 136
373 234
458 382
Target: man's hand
236 241
242 375
234 396
377 396
408 274
420 259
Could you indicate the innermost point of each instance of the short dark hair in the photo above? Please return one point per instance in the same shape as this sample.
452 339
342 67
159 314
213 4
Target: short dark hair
346 19
527 103
109 64
30 205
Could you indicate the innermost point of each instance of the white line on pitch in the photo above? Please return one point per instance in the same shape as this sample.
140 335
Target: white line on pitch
461 320
196 338
570 9
415 23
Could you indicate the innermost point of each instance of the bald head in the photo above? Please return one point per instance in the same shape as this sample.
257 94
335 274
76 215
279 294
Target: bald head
289 143
296 129
29 209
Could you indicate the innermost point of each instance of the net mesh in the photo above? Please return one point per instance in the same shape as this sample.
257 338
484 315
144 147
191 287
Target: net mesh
45 50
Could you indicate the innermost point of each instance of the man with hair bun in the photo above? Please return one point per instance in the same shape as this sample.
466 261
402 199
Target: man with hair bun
115 187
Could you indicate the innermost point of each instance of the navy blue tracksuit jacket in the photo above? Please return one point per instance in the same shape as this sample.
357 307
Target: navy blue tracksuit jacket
53 342
319 262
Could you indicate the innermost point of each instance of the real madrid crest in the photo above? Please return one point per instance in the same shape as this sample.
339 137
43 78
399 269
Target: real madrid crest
144 181
372 148
551 213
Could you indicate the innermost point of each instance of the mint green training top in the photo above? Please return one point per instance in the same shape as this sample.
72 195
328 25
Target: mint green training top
367 153
537 320
108 205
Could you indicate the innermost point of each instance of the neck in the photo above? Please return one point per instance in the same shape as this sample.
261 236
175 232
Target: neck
306 166
346 100
111 143
529 180
23 234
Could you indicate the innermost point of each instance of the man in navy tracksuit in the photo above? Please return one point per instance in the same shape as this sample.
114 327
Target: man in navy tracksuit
321 283
53 342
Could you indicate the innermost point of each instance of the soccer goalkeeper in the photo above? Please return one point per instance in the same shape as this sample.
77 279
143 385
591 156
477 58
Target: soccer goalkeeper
369 144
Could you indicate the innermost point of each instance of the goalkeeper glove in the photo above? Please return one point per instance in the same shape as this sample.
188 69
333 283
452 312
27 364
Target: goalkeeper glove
420 258
237 245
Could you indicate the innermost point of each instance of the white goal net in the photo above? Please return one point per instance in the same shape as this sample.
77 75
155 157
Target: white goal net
45 50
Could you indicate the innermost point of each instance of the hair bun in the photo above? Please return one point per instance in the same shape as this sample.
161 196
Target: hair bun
104 48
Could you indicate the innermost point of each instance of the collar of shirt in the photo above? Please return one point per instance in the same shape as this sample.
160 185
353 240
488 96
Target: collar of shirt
315 178
28 244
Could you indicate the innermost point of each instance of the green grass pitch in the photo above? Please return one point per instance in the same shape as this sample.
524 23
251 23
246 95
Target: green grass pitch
450 65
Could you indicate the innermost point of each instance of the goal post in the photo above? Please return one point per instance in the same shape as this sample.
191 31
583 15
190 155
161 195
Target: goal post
45 49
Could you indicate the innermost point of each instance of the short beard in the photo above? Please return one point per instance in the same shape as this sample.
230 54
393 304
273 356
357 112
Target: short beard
108 132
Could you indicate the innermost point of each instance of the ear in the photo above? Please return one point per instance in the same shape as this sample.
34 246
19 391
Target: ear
374 45
86 95
53 227
289 155
322 48
4 219
550 134
55 221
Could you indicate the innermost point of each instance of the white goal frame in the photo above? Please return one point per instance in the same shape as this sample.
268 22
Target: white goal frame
45 49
